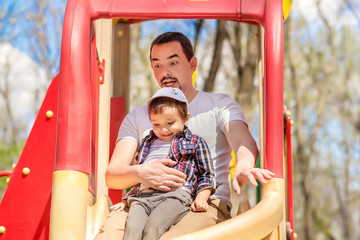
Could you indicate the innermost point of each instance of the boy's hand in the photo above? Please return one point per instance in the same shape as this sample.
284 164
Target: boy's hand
199 206
119 206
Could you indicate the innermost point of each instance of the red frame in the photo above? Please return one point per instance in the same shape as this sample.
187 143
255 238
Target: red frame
75 116
289 176
77 103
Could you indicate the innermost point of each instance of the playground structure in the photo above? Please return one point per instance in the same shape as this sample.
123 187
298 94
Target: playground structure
57 189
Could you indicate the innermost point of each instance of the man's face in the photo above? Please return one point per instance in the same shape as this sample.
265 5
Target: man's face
171 67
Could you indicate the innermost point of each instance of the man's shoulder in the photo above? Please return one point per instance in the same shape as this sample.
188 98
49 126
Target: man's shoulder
213 94
138 113
139 110
135 124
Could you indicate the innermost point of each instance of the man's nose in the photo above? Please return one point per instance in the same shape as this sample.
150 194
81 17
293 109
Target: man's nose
166 72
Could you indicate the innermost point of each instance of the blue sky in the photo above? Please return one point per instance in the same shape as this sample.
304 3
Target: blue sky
17 26
16 23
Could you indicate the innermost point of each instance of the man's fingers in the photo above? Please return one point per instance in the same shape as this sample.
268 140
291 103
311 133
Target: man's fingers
174 183
168 162
236 187
176 175
160 175
267 174
172 171
164 188
252 180
251 174
259 176
263 174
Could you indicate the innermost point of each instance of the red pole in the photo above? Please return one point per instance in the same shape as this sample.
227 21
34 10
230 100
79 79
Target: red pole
75 113
269 14
273 85
289 176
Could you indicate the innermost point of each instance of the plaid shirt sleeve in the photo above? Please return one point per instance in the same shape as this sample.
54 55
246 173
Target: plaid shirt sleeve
206 177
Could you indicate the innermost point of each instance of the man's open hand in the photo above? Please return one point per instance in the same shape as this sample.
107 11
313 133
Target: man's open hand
250 174
159 175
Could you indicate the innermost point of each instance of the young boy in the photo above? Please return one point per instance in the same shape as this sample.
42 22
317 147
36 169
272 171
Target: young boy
152 212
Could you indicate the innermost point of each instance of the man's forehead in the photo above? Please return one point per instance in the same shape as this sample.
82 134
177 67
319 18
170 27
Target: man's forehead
172 56
166 51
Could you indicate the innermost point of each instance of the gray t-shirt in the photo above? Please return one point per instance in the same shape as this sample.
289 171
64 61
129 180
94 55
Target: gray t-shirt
209 113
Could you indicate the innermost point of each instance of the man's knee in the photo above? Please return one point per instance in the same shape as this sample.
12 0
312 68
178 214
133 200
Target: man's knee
113 226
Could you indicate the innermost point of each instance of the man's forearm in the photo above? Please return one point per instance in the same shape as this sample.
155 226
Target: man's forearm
120 173
123 177
158 175
242 143
245 157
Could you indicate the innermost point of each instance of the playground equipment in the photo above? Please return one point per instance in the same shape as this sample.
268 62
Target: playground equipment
57 189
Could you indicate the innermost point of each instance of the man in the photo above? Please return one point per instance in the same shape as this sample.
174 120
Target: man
215 117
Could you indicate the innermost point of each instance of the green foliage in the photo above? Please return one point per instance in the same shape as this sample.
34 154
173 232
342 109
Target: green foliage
8 156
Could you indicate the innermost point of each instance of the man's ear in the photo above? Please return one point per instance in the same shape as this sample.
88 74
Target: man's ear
187 118
193 63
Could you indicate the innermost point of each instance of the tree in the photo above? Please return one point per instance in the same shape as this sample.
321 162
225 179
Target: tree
22 79
217 56
318 72
44 37
244 45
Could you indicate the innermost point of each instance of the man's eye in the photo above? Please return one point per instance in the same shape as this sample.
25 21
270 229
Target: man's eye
173 63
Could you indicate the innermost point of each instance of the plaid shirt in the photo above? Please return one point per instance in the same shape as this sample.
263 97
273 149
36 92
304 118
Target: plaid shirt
192 156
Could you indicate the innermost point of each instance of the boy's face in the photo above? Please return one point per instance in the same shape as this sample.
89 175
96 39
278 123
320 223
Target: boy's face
167 123
171 67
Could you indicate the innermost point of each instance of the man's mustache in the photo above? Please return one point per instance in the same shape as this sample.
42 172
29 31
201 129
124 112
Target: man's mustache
165 78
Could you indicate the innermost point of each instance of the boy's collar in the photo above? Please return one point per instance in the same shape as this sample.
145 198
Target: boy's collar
186 133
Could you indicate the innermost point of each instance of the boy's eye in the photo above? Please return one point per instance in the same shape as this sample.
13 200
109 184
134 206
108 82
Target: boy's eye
171 123
156 124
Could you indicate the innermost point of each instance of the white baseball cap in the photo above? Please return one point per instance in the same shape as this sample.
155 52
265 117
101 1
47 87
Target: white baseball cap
170 92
